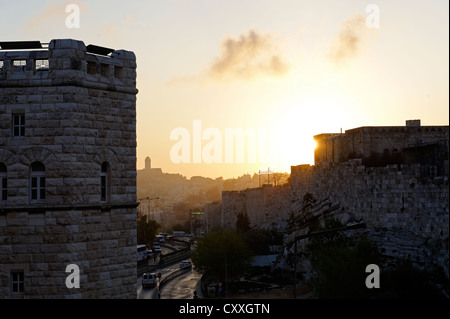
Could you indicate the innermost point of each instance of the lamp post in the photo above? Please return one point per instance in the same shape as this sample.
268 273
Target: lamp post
148 199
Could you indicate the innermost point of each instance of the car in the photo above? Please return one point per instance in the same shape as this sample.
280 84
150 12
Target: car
160 238
185 264
179 234
156 247
148 280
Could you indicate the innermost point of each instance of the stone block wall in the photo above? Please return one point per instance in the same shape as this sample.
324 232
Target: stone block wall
213 216
79 112
407 214
267 207
42 244
367 141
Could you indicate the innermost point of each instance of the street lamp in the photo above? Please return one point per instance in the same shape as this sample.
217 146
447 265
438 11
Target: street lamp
148 199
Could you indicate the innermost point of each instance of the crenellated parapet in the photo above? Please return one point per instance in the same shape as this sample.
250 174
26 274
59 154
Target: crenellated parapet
69 61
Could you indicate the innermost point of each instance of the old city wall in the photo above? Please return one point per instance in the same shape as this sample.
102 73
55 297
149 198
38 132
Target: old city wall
366 141
406 213
267 207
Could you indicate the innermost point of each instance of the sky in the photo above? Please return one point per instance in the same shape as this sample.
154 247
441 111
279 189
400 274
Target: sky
274 72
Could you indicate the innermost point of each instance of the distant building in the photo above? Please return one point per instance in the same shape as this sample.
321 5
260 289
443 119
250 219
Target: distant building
67 170
383 145
148 168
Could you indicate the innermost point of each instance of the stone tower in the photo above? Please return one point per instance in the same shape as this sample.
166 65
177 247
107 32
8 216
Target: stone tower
67 171
148 164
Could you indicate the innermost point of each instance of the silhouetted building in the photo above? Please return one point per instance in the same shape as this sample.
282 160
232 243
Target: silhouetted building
383 145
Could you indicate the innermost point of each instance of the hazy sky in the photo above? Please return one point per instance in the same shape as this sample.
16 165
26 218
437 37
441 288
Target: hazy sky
282 70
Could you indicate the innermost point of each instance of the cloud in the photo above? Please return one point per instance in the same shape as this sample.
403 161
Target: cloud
252 54
350 40
249 56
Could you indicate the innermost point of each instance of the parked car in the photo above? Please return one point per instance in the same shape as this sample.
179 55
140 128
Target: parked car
185 264
148 280
179 234
156 247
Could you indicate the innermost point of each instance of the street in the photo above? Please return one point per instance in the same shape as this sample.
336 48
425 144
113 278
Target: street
183 286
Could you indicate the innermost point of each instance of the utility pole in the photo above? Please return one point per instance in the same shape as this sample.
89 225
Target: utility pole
148 208
259 176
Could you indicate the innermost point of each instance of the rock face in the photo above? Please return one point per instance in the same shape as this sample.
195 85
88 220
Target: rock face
68 152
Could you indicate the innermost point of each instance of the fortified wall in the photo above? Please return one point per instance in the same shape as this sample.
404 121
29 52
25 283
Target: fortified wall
405 212
67 170
378 145
405 206
267 207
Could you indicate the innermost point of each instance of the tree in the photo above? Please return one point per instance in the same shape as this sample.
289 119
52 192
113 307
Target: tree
258 240
243 222
280 178
405 281
216 250
339 264
146 231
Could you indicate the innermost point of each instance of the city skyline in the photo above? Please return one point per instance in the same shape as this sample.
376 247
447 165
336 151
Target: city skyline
289 69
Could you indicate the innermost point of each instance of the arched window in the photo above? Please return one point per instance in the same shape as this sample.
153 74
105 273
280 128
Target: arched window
3 183
104 182
37 182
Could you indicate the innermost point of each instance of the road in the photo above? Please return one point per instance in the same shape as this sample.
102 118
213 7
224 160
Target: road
183 286
149 293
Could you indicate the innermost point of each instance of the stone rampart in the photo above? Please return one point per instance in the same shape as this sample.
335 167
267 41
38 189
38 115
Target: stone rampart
267 207
405 212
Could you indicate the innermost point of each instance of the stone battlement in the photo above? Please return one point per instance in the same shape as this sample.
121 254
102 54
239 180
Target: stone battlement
393 143
67 62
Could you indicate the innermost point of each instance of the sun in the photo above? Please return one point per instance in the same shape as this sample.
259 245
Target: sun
290 145
298 119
